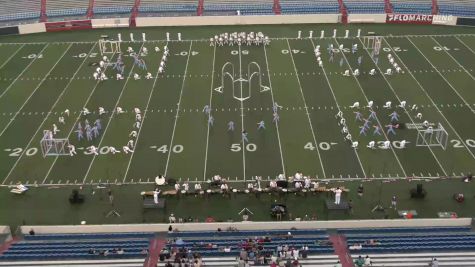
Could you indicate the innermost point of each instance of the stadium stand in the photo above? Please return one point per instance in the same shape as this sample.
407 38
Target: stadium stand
105 7
19 10
66 8
464 8
364 7
168 8
309 7
421 259
412 6
245 7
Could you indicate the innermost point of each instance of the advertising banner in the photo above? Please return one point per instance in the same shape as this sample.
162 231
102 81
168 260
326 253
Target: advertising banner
409 19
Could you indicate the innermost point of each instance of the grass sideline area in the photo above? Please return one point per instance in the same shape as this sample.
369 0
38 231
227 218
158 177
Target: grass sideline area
44 74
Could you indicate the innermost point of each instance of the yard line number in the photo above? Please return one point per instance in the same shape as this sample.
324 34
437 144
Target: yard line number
83 55
164 148
459 144
321 145
33 56
16 152
250 147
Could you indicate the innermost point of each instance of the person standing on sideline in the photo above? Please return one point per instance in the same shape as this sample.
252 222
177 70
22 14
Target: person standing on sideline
338 192
394 202
360 190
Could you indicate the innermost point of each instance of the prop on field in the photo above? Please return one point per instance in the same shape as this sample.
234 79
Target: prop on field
19 189
241 38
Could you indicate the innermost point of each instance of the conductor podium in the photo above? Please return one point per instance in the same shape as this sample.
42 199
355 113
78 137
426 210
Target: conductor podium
149 203
331 206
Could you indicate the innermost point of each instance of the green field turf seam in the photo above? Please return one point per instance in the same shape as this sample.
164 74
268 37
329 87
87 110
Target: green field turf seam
443 77
11 56
23 71
399 99
430 98
377 119
211 108
338 107
44 120
111 118
178 109
34 91
306 107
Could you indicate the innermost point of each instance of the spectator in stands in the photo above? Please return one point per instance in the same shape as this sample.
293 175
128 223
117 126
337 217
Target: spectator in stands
372 242
356 247
434 263
359 262
32 232
92 251
367 261
120 251
144 251
170 229
337 264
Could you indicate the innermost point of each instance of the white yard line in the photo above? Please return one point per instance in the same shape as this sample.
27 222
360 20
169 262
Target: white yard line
34 91
14 54
405 110
242 119
443 77
178 110
367 100
143 121
76 121
306 110
23 71
46 117
453 58
338 107
430 98
111 117
276 123
211 108
462 42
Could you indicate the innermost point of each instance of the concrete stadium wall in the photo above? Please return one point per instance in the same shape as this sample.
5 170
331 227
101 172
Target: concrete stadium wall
246 226
31 28
236 20
110 23
367 18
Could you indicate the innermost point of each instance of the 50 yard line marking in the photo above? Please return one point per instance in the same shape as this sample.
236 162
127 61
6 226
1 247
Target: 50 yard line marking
276 123
21 73
143 121
338 107
399 99
111 117
47 116
306 108
367 100
430 98
14 54
178 109
211 108
242 119
34 91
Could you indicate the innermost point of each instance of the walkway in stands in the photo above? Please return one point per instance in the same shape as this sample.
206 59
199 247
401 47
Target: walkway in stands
341 249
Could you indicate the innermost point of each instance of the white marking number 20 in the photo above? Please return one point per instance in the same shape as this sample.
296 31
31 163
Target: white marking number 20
459 144
16 152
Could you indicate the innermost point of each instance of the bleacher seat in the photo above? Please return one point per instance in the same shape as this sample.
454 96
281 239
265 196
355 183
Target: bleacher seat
364 7
412 6
463 8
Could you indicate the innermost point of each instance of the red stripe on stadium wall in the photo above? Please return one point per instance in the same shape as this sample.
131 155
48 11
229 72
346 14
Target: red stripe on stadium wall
409 19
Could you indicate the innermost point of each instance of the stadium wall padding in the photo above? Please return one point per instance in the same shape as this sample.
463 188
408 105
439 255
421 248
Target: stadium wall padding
466 21
444 20
110 23
236 20
111 228
32 28
367 18
9 30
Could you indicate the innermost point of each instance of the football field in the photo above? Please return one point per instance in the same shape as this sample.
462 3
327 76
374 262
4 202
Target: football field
40 79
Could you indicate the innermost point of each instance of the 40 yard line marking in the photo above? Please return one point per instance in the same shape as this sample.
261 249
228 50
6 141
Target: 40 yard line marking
14 54
430 98
367 100
141 126
308 115
111 117
399 99
44 120
338 107
443 77
211 108
36 88
178 109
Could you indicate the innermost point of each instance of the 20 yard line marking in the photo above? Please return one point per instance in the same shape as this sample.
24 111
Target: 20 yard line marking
44 120
211 108
178 109
443 77
110 119
23 71
308 115
143 121
32 93
338 107
14 54
405 110
276 123
367 100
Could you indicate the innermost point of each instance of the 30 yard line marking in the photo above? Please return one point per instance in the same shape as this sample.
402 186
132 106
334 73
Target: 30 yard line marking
399 99
23 71
338 107
45 119
308 115
141 126
178 109
32 93
454 59
14 54
443 77
276 122
211 108
431 100
367 100
110 119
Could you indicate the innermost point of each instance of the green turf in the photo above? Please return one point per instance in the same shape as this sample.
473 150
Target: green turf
438 76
